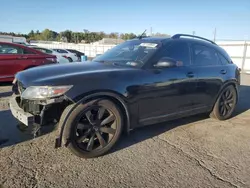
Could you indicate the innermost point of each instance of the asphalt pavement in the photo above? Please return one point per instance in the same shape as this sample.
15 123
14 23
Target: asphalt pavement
191 152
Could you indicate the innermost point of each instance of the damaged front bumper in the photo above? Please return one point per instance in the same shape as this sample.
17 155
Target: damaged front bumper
40 112
24 117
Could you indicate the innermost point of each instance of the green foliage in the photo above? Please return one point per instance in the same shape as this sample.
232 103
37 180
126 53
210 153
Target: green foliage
74 37
127 36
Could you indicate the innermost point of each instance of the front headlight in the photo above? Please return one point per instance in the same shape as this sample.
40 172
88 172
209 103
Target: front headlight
44 92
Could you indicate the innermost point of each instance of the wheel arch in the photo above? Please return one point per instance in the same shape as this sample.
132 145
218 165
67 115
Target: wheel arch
233 83
114 97
227 83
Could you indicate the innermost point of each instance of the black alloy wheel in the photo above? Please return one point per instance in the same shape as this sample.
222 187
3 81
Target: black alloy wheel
225 104
93 128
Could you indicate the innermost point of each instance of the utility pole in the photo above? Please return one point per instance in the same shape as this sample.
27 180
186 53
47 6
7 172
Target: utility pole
151 31
214 34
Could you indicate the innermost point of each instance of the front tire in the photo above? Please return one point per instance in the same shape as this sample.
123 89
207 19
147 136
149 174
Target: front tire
225 104
93 128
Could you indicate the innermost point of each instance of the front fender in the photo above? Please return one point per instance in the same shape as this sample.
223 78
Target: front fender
68 111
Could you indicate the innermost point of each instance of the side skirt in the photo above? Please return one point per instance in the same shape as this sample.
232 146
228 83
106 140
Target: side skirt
172 116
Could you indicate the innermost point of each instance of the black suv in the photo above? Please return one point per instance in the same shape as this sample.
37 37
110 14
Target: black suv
139 82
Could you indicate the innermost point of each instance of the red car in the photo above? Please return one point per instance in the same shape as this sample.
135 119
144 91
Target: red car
15 58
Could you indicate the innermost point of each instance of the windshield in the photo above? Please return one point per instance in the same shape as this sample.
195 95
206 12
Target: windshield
130 53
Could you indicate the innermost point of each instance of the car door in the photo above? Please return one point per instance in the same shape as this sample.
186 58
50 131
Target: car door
27 58
9 56
210 72
169 91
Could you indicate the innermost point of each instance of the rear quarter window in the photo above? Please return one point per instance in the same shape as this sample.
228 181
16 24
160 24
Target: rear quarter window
223 60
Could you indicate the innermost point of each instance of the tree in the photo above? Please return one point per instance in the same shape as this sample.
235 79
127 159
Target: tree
46 35
160 34
67 34
127 36
113 35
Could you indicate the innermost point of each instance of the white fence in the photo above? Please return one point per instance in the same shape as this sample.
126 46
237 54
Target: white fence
238 50
90 50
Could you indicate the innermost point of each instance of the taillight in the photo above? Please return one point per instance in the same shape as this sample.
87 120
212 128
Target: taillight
65 56
53 59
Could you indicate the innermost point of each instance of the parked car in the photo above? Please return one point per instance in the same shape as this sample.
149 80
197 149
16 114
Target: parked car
78 53
16 57
60 58
139 82
67 54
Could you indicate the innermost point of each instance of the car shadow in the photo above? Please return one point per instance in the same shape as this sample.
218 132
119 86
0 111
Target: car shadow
5 84
243 101
9 90
11 135
5 94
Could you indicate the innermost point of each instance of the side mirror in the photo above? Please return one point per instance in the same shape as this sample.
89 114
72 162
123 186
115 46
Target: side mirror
166 62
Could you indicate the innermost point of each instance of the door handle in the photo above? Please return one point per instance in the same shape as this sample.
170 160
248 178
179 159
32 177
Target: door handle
190 74
223 71
22 57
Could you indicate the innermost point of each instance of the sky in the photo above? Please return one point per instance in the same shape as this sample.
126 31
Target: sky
231 18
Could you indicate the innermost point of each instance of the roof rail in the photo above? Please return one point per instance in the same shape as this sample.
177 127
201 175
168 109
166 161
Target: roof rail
177 36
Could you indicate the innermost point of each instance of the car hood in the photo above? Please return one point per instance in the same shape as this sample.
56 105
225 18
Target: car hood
66 73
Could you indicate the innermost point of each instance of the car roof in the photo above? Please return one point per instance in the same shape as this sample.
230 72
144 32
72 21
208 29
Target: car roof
152 39
195 40
168 39
13 44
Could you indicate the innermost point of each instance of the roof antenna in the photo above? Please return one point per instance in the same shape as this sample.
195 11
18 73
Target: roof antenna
140 37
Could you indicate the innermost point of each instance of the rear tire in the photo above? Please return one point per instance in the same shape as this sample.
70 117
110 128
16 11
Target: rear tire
225 104
70 59
93 128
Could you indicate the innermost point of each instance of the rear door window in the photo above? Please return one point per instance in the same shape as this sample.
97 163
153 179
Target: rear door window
204 56
11 49
26 51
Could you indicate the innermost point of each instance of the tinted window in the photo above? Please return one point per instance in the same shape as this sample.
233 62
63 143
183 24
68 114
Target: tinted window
61 51
44 50
9 49
25 51
178 51
223 60
203 55
73 51
130 53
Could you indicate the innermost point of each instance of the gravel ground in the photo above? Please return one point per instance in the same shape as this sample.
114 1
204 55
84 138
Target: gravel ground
191 152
